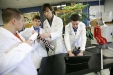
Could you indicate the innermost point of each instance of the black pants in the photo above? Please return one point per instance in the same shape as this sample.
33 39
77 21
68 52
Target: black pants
111 71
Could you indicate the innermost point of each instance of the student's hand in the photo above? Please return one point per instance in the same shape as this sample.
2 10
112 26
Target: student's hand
38 40
34 31
48 43
29 42
80 54
71 54
45 35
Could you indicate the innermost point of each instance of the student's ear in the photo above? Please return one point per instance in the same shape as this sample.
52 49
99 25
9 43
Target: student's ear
13 21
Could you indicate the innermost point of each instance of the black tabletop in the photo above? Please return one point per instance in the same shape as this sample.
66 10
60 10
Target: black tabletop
56 65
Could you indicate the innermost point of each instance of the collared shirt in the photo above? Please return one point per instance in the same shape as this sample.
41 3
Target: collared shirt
18 37
37 29
50 21
75 30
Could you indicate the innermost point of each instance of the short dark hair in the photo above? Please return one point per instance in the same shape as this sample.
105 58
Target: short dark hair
75 17
9 13
36 17
46 5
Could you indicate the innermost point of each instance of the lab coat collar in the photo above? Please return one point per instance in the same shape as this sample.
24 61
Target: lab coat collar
32 28
71 27
47 26
9 34
53 21
52 25
50 21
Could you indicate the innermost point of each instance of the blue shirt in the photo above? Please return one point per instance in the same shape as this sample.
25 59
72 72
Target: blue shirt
75 30
37 29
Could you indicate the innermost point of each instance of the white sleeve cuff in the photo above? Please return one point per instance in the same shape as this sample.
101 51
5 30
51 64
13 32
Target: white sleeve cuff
82 48
52 36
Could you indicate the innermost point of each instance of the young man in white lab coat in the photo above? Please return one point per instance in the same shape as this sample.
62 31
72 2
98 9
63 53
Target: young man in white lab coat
75 36
14 50
40 50
53 26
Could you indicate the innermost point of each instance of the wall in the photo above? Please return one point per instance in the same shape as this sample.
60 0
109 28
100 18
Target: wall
93 3
39 8
1 22
33 9
86 10
108 5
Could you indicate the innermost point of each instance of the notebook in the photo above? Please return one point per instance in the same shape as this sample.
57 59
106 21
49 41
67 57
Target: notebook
76 63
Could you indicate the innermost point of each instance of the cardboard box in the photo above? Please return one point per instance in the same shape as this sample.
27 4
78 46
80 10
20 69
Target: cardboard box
94 22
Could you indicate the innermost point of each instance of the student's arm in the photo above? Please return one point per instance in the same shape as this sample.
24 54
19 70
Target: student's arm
57 33
67 41
11 59
83 39
27 33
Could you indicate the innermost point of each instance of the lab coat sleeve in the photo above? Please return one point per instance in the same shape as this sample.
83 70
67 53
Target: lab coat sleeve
35 44
66 39
83 37
11 59
58 31
27 33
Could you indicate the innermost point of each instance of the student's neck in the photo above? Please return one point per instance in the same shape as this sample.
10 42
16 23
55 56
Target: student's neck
35 26
75 28
50 18
10 28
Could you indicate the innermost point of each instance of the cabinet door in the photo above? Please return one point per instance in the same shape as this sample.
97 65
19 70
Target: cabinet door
109 33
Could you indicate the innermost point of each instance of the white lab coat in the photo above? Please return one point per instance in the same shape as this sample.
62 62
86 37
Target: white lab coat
38 51
56 34
73 40
14 55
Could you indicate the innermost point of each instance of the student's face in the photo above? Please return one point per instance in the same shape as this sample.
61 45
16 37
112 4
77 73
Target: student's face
48 13
75 24
36 23
19 24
